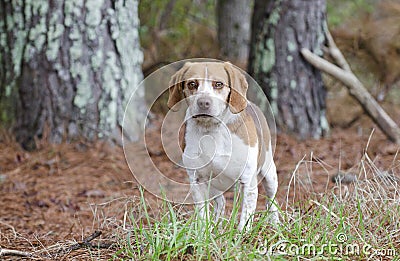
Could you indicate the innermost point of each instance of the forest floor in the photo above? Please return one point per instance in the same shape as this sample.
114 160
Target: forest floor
55 198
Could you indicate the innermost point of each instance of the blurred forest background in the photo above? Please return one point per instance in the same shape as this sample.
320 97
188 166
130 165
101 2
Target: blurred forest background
366 31
67 69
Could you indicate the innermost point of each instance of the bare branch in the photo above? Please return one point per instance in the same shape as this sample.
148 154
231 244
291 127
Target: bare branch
358 91
336 53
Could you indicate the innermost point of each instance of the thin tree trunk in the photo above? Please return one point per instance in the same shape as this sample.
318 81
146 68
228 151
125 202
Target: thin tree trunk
233 20
295 89
73 65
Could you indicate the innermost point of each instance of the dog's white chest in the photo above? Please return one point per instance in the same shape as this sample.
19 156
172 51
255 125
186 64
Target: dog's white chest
217 156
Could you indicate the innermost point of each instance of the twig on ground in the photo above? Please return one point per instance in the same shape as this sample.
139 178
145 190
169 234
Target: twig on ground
13 252
86 243
9 226
325 208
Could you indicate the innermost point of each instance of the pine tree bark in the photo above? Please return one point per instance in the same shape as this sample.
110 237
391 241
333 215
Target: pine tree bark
72 65
233 20
280 28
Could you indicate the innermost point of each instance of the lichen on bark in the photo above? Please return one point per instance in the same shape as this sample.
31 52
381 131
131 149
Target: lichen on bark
293 87
82 58
265 56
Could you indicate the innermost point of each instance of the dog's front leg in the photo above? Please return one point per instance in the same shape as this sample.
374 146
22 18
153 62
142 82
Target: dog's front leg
199 191
200 198
250 193
219 206
270 183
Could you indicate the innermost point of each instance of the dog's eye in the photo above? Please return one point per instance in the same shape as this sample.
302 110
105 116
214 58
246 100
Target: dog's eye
218 85
192 84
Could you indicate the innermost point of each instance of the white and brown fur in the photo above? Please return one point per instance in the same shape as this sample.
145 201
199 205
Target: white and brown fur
226 138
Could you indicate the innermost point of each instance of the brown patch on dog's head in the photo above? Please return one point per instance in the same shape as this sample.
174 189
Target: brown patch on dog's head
238 84
224 72
175 88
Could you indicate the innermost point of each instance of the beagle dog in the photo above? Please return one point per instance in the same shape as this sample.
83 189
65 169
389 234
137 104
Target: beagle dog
226 138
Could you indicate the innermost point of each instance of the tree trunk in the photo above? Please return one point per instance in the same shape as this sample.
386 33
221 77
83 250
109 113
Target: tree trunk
72 64
294 88
233 20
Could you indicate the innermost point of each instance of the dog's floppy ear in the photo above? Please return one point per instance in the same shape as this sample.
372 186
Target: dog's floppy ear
175 88
238 84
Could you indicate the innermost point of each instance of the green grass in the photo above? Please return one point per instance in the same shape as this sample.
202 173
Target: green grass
345 223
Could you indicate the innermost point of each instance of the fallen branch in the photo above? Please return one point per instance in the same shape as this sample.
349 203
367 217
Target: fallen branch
86 243
355 87
336 53
13 252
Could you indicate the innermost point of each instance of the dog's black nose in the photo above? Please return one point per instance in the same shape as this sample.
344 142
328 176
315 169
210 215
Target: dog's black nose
204 103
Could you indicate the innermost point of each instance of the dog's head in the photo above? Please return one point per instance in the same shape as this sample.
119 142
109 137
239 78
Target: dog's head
209 89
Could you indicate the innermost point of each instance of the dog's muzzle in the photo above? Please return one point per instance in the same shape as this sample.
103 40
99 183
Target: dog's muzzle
204 103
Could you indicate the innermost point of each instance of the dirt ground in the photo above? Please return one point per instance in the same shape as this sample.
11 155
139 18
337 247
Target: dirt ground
59 195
